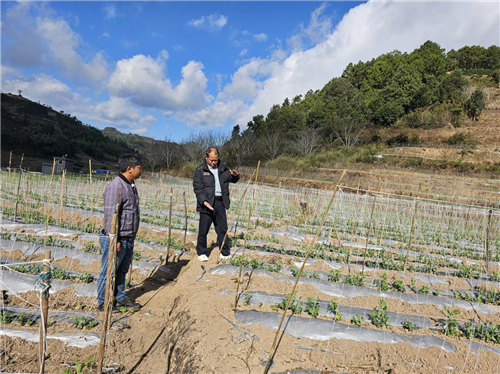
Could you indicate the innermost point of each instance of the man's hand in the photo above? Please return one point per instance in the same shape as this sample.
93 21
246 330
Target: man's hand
118 246
208 205
234 173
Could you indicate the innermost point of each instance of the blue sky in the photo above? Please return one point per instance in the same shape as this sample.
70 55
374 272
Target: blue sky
167 69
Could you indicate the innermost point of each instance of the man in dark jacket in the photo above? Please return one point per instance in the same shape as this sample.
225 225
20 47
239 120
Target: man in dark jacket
121 190
211 186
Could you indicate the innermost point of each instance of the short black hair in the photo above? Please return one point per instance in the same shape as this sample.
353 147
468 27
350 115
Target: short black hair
128 160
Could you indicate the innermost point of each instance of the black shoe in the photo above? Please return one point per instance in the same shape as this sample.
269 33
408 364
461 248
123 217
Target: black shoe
100 308
127 303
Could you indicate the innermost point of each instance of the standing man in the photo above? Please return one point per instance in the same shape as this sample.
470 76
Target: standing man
128 223
211 186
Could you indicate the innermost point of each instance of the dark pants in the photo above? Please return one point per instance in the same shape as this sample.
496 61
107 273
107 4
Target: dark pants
219 219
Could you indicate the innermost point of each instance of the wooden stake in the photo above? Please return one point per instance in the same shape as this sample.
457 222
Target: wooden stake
353 228
10 161
370 226
18 186
169 224
411 228
61 197
185 220
109 292
488 242
45 316
244 244
274 347
50 198
91 197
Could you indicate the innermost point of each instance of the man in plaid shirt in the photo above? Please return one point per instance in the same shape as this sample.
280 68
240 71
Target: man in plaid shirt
121 191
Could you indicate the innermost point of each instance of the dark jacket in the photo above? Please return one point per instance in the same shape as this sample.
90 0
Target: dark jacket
204 185
128 207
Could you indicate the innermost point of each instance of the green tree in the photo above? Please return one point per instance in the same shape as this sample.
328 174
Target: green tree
475 105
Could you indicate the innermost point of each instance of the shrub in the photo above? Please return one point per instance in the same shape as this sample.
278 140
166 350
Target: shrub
460 138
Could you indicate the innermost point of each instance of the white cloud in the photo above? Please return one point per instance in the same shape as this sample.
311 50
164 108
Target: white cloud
46 41
213 116
260 37
62 43
210 22
142 79
110 11
117 112
141 131
318 29
243 52
22 45
106 35
365 32
178 47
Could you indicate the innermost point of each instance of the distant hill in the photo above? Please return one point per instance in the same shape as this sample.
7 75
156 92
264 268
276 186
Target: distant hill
137 142
41 133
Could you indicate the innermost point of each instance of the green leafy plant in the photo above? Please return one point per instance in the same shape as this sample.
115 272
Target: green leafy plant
380 318
6 317
381 282
312 307
333 307
398 285
357 320
451 324
296 308
247 299
409 325
80 367
334 276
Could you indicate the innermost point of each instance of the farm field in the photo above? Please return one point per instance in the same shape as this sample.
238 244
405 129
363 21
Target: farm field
402 276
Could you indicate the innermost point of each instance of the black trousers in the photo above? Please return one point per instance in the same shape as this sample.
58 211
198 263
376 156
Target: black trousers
219 219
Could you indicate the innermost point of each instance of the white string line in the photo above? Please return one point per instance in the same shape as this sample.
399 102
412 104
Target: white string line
334 319
7 265
364 223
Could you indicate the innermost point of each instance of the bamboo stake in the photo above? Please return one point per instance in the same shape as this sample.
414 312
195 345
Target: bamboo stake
169 225
245 244
186 220
353 228
61 197
18 186
488 242
10 162
91 197
236 213
370 226
254 198
45 314
411 228
274 347
50 198
109 292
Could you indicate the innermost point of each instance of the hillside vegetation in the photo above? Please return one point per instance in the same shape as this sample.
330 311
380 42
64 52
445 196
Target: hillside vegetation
427 104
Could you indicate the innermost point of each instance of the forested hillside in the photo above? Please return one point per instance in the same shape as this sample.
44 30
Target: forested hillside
39 131
427 88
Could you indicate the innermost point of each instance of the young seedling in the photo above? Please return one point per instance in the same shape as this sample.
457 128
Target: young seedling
357 320
379 318
409 325
398 285
247 299
6 317
333 307
312 307
451 324
334 276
